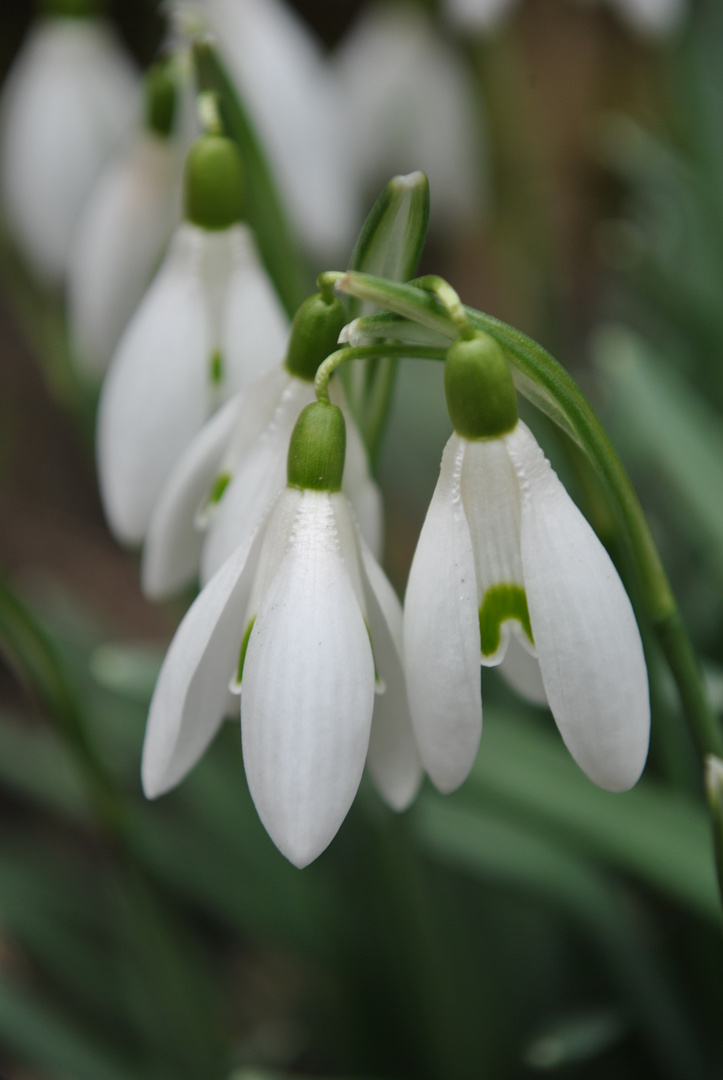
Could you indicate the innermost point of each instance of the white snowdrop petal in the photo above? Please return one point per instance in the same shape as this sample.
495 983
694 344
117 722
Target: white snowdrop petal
441 633
359 485
254 327
587 640
68 99
156 394
121 235
392 759
191 694
172 548
308 690
651 18
522 671
256 481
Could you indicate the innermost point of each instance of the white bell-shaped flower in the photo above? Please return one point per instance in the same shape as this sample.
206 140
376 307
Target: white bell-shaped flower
411 105
70 97
209 325
124 229
507 563
295 104
223 484
479 16
303 623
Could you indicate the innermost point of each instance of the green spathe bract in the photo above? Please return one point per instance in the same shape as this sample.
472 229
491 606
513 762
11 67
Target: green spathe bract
501 603
480 393
314 335
160 91
317 448
213 183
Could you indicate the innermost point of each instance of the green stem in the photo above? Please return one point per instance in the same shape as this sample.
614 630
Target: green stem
540 378
368 352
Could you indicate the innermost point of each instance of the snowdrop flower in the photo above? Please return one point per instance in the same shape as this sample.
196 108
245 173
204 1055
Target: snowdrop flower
411 105
70 97
295 104
506 560
229 475
303 622
480 16
208 326
124 228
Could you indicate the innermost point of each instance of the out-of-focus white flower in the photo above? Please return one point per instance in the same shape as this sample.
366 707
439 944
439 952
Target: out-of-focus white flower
480 16
506 557
411 105
124 229
294 102
303 623
70 97
209 325
649 18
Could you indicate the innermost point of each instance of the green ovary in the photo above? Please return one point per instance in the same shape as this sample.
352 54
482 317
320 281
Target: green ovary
500 603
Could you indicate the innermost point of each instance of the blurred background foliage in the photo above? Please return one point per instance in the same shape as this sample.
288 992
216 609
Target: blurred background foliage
530 923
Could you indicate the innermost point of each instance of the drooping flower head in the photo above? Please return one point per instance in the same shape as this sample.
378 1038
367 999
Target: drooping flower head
302 623
231 472
507 570
209 325
68 100
125 227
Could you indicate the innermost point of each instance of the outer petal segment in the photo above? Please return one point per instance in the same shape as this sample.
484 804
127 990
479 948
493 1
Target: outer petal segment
191 694
155 396
308 690
441 633
587 639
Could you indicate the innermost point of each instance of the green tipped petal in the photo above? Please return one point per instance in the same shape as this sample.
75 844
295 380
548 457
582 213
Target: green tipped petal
500 604
160 92
314 335
480 393
317 448
213 183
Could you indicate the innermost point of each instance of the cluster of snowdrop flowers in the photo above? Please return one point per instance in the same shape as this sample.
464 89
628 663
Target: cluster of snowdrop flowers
209 324
300 622
649 18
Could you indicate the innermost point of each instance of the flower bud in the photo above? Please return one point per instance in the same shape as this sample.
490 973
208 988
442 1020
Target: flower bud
481 397
317 448
213 183
160 103
314 335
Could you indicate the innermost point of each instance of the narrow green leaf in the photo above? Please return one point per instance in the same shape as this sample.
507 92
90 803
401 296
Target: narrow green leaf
663 419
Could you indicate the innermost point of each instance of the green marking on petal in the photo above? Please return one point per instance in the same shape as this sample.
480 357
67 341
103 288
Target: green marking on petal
217 367
502 602
242 651
219 486
379 684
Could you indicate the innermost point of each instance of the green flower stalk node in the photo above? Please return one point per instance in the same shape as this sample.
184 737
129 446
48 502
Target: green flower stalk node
314 335
481 396
213 183
160 91
317 449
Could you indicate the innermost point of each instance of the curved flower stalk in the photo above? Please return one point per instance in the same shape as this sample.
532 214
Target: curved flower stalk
418 110
223 484
303 623
295 104
208 326
68 100
506 557
124 229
